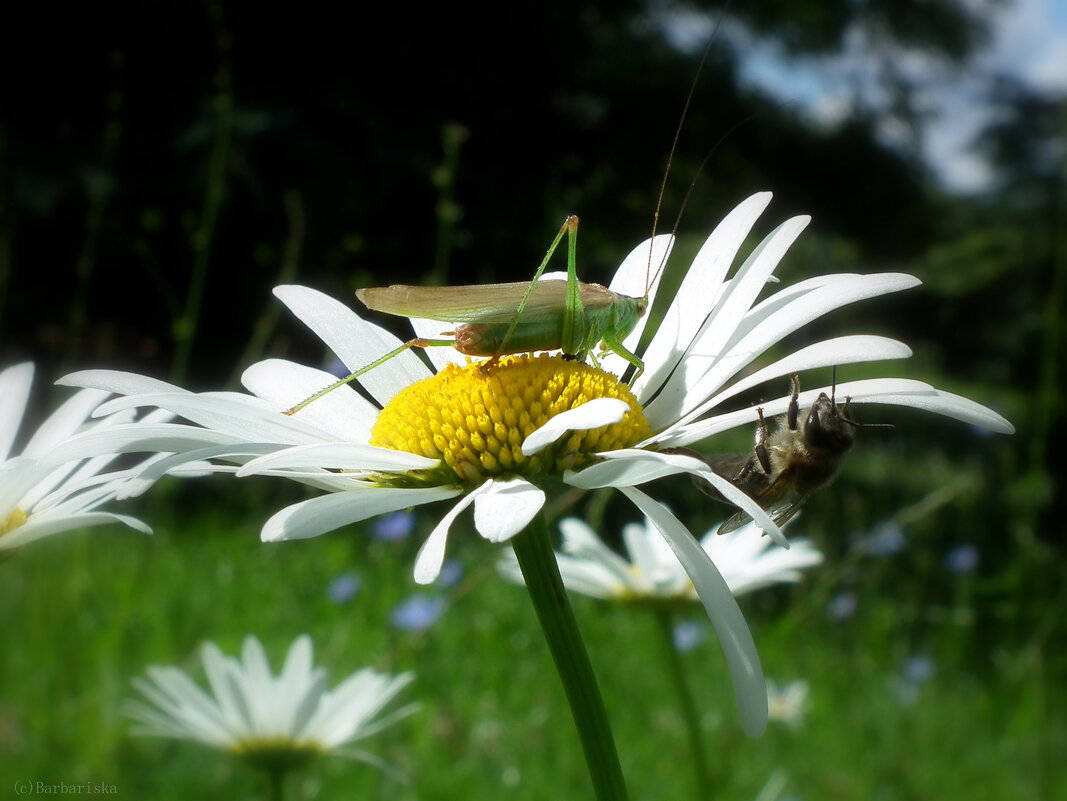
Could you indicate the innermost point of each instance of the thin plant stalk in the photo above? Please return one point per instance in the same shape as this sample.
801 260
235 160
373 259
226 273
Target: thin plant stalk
214 193
276 780
533 548
686 703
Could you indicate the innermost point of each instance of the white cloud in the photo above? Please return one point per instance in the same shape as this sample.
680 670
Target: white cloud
1031 44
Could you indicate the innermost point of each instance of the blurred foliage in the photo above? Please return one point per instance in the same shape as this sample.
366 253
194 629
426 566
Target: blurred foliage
156 159
912 696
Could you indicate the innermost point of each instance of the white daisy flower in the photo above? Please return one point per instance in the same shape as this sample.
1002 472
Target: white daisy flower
492 436
745 560
41 492
275 722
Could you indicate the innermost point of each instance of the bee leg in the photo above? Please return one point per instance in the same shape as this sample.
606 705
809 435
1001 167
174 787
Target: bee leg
794 405
761 444
761 456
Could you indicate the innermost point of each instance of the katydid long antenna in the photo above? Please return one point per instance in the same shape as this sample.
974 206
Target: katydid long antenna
649 276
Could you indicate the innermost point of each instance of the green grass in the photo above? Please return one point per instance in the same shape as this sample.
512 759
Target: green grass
83 613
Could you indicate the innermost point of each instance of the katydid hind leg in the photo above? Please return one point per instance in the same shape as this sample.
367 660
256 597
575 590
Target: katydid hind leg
418 342
570 228
573 311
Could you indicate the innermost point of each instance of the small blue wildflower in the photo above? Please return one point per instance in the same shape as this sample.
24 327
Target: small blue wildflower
418 612
451 573
842 606
918 669
393 527
962 559
687 635
344 587
885 539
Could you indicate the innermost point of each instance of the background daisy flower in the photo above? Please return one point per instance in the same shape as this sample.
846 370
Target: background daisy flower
745 560
41 491
275 722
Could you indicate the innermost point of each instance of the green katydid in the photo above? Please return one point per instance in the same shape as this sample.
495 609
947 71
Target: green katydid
500 319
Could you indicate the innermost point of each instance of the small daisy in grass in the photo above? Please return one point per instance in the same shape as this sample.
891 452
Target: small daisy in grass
493 436
41 491
788 702
653 573
276 723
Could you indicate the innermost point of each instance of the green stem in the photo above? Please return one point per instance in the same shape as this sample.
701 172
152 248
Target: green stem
686 703
533 548
276 779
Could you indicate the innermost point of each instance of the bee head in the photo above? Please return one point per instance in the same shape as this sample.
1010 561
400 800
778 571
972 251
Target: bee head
827 426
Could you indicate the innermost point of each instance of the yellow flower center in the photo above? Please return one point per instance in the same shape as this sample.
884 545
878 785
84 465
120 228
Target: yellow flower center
475 418
15 518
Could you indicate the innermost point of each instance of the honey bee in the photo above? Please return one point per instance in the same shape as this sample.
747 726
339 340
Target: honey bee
788 464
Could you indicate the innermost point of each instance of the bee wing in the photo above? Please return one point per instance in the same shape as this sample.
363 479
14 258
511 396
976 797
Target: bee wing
786 514
478 303
734 522
780 508
729 466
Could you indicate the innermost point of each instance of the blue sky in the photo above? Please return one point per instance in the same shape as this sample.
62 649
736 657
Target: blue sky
1029 42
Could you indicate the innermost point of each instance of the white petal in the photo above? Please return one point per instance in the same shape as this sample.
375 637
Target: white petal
506 508
718 331
594 561
64 421
17 477
626 468
904 392
189 463
355 341
698 291
439 356
591 578
711 363
328 512
15 384
432 553
828 353
118 382
653 558
632 279
342 412
592 414
44 525
162 437
243 416
892 391
337 456
723 611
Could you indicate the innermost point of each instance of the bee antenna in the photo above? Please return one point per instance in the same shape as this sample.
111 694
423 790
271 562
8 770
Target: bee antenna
868 425
857 423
